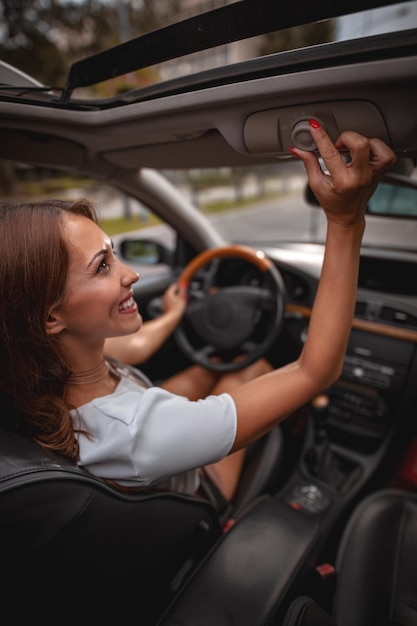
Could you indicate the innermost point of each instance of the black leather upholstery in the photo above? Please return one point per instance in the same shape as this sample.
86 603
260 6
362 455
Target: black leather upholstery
57 520
244 579
376 567
261 471
377 562
60 526
303 611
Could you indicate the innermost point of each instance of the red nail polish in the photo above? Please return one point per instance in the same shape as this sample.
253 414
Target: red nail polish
314 123
292 150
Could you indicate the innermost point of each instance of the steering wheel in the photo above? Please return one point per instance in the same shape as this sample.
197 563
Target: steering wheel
226 328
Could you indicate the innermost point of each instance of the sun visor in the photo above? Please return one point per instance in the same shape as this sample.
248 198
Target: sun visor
39 148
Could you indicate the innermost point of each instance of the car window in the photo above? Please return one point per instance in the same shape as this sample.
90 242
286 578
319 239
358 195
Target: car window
394 200
257 205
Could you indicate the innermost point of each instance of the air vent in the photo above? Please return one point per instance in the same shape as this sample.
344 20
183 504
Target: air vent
399 318
360 309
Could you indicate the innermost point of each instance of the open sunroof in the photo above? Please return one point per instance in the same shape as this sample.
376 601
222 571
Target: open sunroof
240 20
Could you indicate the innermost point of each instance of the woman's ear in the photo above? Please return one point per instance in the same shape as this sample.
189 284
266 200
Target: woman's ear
54 324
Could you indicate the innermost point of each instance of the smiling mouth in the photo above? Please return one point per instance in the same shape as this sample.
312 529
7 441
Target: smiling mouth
127 304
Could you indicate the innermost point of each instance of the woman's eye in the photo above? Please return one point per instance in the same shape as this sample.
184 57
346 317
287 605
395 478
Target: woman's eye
103 266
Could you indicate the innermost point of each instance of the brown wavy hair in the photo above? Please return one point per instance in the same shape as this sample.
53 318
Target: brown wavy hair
34 265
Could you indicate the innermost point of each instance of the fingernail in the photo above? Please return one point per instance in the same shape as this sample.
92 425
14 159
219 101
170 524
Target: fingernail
314 123
293 151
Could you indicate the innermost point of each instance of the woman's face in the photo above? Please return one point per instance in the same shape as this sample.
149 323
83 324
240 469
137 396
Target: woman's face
98 299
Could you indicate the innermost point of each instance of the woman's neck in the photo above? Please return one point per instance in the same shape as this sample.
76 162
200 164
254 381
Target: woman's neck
86 384
90 376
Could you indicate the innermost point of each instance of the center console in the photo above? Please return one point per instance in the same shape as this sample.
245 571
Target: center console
351 429
364 401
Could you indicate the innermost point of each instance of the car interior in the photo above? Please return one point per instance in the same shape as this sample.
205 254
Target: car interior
323 528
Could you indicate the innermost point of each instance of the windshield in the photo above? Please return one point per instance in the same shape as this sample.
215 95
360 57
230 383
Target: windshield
269 204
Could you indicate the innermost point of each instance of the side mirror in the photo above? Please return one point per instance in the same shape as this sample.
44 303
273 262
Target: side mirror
145 252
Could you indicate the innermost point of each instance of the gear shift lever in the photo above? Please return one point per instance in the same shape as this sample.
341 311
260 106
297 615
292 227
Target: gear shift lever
320 459
316 455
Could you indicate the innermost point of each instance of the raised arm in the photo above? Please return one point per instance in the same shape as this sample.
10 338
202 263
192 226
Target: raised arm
343 193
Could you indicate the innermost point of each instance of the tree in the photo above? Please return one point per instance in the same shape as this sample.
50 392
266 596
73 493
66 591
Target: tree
43 37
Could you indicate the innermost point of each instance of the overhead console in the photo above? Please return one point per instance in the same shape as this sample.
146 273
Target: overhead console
274 130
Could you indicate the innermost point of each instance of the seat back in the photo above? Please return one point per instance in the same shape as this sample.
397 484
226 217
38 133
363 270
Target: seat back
377 562
56 518
261 470
376 565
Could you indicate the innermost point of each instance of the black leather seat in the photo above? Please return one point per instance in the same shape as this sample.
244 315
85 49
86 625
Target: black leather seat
58 522
261 470
60 526
376 567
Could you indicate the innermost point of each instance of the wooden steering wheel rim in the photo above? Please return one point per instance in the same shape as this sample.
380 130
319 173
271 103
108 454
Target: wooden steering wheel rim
257 257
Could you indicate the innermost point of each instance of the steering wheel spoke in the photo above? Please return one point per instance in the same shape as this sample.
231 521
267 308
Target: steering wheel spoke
267 300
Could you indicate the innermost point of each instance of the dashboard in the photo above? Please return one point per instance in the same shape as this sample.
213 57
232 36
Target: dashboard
370 400
373 397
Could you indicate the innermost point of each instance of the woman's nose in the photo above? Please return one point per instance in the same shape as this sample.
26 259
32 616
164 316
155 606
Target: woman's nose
129 277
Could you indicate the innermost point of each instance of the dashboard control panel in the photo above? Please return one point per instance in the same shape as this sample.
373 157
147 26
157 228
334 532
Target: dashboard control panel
363 400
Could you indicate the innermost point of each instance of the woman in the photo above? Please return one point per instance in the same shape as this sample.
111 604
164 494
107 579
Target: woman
64 294
194 383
